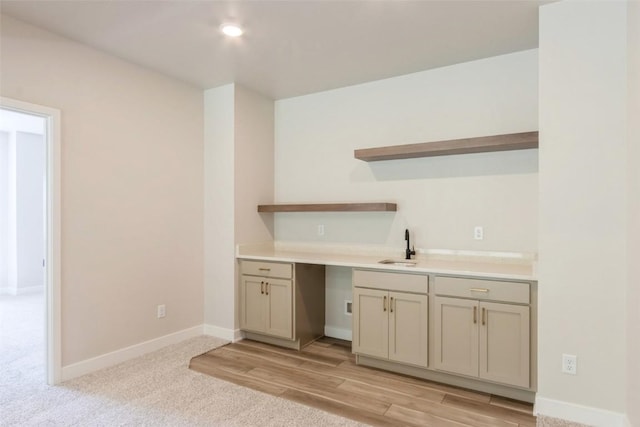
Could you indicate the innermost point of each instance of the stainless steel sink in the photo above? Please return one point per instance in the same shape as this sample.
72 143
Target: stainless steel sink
402 263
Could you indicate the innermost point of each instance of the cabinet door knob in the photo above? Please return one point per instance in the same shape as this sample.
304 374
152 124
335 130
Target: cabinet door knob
475 315
391 304
384 303
262 287
483 311
266 287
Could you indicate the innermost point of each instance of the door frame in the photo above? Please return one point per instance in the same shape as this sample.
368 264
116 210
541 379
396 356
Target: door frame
53 360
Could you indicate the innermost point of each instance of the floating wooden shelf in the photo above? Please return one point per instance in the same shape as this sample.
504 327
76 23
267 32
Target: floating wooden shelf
513 141
331 207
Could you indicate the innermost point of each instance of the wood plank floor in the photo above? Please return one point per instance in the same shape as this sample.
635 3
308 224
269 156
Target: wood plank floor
324 375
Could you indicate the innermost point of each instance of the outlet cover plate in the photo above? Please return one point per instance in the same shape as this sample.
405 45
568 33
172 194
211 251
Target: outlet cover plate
569 364
478 232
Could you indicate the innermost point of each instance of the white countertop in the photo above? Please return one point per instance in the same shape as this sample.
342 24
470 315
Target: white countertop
499 265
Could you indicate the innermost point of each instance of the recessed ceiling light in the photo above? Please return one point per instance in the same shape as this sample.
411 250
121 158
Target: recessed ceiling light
231 30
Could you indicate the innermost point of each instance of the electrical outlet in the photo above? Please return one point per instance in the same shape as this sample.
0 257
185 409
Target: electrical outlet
320 229
569 364
347 307
478 233
161 311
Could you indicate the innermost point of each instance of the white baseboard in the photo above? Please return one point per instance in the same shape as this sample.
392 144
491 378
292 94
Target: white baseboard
109 359
340 333
232 335
578 413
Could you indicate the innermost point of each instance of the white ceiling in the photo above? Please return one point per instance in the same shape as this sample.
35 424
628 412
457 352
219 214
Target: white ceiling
292 47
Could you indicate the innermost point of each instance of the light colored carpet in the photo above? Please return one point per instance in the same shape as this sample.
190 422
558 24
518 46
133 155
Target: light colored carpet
543 421
157 389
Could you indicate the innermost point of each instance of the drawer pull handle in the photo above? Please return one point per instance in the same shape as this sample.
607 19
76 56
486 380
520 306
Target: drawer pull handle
483 311
475 315
391 304
384 303
483 290
264 269
262 288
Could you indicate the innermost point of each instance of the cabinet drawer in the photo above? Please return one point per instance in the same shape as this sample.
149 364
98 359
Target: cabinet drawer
482 289
391 281
267 269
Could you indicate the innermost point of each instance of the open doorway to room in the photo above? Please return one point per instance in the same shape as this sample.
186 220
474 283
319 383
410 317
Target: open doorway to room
29 244
22 244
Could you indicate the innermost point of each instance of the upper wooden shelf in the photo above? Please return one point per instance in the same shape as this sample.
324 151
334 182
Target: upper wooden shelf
512 141
331 207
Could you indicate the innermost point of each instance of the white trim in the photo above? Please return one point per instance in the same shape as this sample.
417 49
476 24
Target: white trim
53 252
627 423
578 413
340 333
113 358
232 335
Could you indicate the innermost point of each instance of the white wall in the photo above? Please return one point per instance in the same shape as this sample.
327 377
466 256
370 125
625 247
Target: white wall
583 206
337 291
132 185
30 211
440 199
219 188
633 292
4 210
238 177
254 150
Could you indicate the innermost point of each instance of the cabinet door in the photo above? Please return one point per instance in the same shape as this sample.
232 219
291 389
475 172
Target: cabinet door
279 297
370 322
408 328
504 343
456 335
253 307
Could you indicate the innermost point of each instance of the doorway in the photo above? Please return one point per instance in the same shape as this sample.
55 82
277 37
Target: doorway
30 240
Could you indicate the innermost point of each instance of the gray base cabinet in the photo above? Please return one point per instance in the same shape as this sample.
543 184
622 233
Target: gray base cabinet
489 340
479 330
370 323
282 303
267 306
480 339
387 324
504 344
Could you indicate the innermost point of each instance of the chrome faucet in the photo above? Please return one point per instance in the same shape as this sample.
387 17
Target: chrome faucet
408 252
